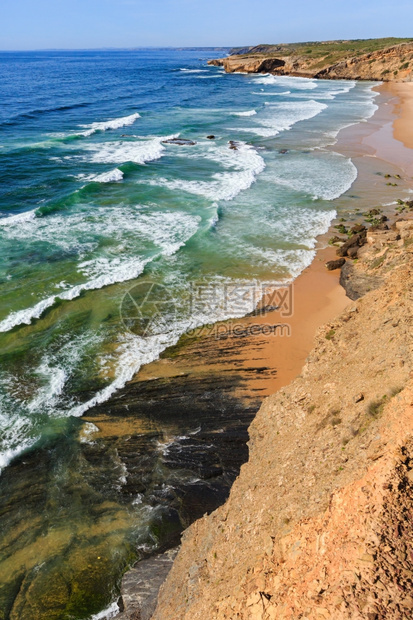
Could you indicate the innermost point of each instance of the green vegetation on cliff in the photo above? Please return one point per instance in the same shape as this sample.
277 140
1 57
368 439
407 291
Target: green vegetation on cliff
329 51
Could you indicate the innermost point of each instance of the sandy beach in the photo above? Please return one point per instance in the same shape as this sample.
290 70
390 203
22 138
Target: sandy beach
316 293
403 125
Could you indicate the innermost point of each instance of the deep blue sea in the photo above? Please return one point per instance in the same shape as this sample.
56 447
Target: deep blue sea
93 202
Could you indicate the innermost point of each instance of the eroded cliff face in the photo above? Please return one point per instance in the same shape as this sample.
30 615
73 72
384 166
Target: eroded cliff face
394 63
319 523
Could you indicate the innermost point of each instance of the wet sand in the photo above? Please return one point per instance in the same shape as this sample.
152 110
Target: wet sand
403 125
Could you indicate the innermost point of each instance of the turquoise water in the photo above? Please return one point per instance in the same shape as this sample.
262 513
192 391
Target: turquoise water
92 202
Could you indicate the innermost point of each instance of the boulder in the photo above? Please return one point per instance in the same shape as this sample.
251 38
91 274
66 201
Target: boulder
358 228
179 141
335 264
353 251
335 240
354 241
233 145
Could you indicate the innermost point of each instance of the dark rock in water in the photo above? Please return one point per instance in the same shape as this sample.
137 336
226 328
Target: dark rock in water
335 264
341 229
335 240
283 151
233 144
179 141
211 137
372 213
140 586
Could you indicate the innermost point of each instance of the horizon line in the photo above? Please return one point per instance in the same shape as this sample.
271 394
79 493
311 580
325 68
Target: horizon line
125 49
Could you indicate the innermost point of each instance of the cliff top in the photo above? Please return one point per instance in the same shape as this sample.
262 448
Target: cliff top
388 59
328 51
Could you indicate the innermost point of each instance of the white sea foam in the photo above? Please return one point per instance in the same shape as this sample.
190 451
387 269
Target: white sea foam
109 177
15 435
136 351
136 151
326 176
325 93
245 161
121 223
247 113
194 70
287 92
108 613
292 82
117 271
300 226
169 231
115 123
282 116
54 382
19 218
10 453
132 354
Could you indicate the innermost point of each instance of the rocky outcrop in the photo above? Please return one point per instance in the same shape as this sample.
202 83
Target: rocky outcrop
318 524
393 63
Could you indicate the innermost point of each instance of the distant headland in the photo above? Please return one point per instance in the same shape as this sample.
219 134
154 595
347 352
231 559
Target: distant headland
386 60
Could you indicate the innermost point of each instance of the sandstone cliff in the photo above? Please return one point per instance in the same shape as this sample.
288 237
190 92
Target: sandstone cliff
319 523
329 60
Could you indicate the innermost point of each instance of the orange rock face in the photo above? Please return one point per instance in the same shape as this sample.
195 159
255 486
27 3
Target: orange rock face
390 64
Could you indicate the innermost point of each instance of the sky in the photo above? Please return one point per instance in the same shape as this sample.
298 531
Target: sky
83 24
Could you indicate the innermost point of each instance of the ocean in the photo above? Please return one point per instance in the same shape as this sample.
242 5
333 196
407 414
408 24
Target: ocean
110 231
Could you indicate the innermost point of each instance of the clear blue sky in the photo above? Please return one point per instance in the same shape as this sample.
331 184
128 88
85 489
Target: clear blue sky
41 24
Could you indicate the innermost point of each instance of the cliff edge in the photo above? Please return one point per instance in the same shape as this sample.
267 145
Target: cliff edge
319 524
374 59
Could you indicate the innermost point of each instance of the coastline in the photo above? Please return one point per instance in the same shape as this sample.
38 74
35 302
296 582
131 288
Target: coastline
318 295
167 448
246 544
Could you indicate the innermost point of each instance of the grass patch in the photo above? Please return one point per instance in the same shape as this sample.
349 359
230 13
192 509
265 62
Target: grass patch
377 262
375 407
395 390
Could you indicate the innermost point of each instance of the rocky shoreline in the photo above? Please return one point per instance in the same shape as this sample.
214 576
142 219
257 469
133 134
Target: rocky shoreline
318 523
393 63
359 247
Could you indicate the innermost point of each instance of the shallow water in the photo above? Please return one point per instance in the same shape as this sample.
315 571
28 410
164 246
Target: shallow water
95 205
